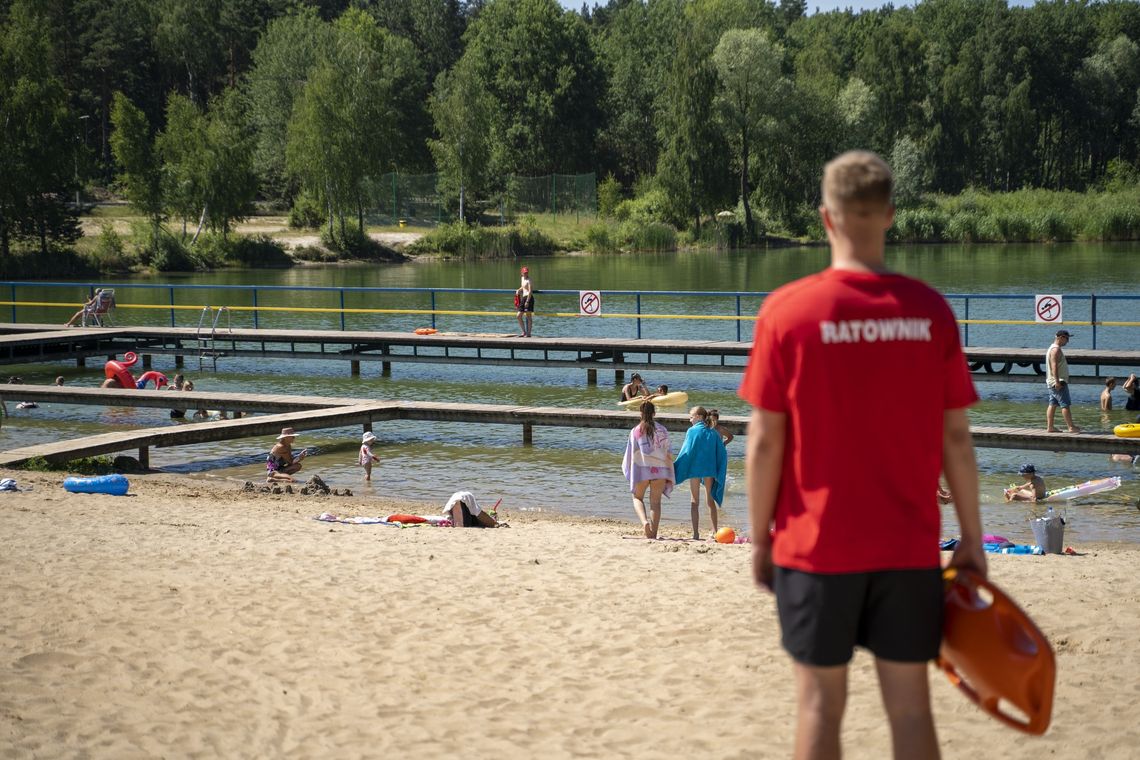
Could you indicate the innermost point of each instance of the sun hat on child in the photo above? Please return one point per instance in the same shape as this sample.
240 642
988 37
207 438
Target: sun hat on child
1027 469
287 433
367 438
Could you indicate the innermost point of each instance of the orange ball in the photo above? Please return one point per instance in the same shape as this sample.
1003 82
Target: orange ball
725 536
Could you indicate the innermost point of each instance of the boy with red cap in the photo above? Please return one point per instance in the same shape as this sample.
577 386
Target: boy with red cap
853 553
524 300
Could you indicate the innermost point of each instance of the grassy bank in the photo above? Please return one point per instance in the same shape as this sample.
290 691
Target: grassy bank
1024 216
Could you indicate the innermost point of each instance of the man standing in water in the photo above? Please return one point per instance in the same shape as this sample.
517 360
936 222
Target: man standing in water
525 298
852 556
1057 379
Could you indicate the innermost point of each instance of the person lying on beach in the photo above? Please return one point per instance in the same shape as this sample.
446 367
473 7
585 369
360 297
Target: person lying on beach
1031 490
282 464
465 512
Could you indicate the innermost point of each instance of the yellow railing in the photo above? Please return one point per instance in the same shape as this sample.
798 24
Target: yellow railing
559 314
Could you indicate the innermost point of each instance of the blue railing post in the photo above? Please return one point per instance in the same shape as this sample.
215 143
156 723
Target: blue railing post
966 339
255 310
639 316
1092 318
13 303
342 309
433 309
172 320
738 319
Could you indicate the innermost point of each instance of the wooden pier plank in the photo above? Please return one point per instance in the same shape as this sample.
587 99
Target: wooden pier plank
343 412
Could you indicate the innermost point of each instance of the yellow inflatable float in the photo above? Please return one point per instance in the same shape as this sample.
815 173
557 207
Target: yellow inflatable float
1128 430
673 398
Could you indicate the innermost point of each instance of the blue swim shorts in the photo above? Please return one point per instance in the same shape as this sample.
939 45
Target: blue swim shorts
1059 396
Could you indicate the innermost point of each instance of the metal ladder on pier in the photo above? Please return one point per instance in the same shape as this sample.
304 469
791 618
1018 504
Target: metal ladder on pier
207 335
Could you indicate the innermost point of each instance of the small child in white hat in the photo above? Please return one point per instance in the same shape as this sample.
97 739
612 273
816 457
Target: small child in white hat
366 455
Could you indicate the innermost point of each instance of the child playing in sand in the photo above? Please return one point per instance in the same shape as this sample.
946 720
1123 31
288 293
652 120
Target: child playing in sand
1031 490
366 456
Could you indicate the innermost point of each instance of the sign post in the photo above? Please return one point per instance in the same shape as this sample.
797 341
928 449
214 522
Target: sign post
1048 309
589 303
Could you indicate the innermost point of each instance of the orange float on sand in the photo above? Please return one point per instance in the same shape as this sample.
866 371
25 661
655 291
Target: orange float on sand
993 652
726 536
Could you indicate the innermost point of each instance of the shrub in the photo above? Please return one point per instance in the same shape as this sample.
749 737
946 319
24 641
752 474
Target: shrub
259 251
472 241
609 195
307 213
110 253
600 239
313 253
353 243
641 235
172 256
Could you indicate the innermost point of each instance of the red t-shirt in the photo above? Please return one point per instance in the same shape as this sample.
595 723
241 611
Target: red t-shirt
864 365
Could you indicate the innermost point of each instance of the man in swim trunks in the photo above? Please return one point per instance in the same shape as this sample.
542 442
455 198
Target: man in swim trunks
1057 380
525 298
853 552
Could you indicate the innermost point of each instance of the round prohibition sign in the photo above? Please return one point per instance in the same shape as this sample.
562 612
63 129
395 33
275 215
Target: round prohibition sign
1048 309
590 303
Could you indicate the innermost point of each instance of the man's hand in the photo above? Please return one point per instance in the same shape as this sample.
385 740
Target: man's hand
969 555
762 570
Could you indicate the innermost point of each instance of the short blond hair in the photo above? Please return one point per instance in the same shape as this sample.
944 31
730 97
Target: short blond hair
857 176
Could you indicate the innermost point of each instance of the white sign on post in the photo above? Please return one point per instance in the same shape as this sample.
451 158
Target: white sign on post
589 303
1047 309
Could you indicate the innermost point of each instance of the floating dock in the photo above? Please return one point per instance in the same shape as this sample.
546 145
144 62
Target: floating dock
37 343
315 413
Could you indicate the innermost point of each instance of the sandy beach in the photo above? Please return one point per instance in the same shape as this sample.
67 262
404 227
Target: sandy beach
190 619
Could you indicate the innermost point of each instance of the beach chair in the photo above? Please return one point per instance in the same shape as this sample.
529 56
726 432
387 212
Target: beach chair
98 312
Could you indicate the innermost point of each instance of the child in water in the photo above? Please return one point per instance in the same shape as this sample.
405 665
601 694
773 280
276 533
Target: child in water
366 456
1031 490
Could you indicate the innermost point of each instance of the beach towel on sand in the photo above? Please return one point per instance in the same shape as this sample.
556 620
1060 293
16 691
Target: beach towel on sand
431 520
703 455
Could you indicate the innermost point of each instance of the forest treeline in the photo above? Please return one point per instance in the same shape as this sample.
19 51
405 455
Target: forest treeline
194 109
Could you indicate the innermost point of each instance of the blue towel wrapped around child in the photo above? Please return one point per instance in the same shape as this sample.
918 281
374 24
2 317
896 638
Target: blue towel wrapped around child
703 455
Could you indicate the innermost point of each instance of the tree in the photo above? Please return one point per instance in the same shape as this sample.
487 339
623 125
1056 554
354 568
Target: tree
288 50
181 146
359 114
230 181
134 152
38 145
749 66
538 68
462 113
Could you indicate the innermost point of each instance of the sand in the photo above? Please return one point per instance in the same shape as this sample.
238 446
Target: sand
192 620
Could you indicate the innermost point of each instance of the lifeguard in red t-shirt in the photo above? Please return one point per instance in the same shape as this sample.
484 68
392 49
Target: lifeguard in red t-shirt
848 480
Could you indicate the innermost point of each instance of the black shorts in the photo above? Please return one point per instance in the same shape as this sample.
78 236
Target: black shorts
896 614
526 303
470 520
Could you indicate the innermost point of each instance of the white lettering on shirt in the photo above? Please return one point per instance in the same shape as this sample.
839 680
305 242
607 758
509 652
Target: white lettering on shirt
872 330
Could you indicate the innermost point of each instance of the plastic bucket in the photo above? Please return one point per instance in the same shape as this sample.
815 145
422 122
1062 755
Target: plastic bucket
1049 533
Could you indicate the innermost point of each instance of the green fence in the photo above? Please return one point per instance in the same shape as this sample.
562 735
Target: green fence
416 199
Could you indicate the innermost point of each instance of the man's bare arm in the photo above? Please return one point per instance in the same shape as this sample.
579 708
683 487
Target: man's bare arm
763 464
961 469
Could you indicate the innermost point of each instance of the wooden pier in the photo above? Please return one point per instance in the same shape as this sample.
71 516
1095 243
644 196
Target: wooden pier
313 413
37 343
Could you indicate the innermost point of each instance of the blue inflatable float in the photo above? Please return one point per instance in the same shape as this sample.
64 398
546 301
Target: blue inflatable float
115 485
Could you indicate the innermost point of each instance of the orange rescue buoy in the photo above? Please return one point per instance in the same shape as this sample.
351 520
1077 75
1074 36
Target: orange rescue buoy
992 651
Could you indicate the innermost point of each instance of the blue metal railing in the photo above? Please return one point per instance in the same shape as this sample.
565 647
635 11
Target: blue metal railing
972 308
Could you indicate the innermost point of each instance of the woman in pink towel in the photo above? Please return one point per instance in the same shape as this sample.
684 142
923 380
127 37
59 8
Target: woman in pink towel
648 465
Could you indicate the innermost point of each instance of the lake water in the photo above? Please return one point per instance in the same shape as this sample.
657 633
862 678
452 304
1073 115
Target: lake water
578 471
